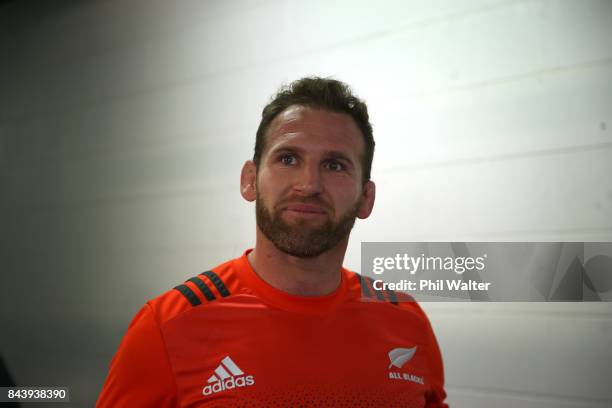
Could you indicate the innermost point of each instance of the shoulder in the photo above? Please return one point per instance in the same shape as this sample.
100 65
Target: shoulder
198 291
365 290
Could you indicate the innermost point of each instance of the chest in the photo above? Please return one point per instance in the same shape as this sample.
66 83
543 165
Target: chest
229 354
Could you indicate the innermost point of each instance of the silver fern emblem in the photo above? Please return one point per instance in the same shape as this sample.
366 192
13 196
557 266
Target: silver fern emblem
400 356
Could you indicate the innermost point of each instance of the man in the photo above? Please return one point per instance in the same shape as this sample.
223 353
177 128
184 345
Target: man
286 324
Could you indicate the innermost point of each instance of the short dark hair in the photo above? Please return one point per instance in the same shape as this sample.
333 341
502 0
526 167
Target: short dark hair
319 93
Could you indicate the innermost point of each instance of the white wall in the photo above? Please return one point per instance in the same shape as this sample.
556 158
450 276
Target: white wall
123 126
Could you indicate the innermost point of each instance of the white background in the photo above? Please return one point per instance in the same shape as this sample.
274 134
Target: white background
124 124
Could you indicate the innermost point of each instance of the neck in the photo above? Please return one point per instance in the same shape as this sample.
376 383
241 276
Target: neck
316 276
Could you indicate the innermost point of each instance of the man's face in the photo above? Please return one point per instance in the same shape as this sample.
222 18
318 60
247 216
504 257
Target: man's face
309 186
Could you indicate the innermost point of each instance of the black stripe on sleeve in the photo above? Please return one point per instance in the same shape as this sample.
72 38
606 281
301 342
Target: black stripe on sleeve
378 293
214 278
188 293
391 296
203 288
364 287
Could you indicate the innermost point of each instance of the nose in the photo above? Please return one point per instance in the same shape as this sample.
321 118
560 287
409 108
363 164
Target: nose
308 180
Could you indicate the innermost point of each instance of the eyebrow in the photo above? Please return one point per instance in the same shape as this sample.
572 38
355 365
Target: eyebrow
338 156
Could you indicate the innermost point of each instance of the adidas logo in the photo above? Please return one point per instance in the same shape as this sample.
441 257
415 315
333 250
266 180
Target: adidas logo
227 376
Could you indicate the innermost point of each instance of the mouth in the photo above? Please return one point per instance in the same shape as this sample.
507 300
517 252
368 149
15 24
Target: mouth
305 210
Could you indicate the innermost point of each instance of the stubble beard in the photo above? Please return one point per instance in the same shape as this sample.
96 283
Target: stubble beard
300 239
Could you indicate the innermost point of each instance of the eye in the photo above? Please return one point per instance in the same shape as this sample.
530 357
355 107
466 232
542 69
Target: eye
288 159
334 165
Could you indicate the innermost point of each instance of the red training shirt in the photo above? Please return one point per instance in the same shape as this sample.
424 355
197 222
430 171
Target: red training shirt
227 338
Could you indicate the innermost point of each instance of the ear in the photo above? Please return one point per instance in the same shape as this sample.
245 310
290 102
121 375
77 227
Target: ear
248 178
367 200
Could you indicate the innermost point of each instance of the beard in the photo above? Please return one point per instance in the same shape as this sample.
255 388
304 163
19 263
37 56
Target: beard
300 239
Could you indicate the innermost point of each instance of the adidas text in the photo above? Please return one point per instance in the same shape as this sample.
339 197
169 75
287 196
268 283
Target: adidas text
228 384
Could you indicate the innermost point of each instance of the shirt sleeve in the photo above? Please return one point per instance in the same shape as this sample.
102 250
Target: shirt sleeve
140 374
437 395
